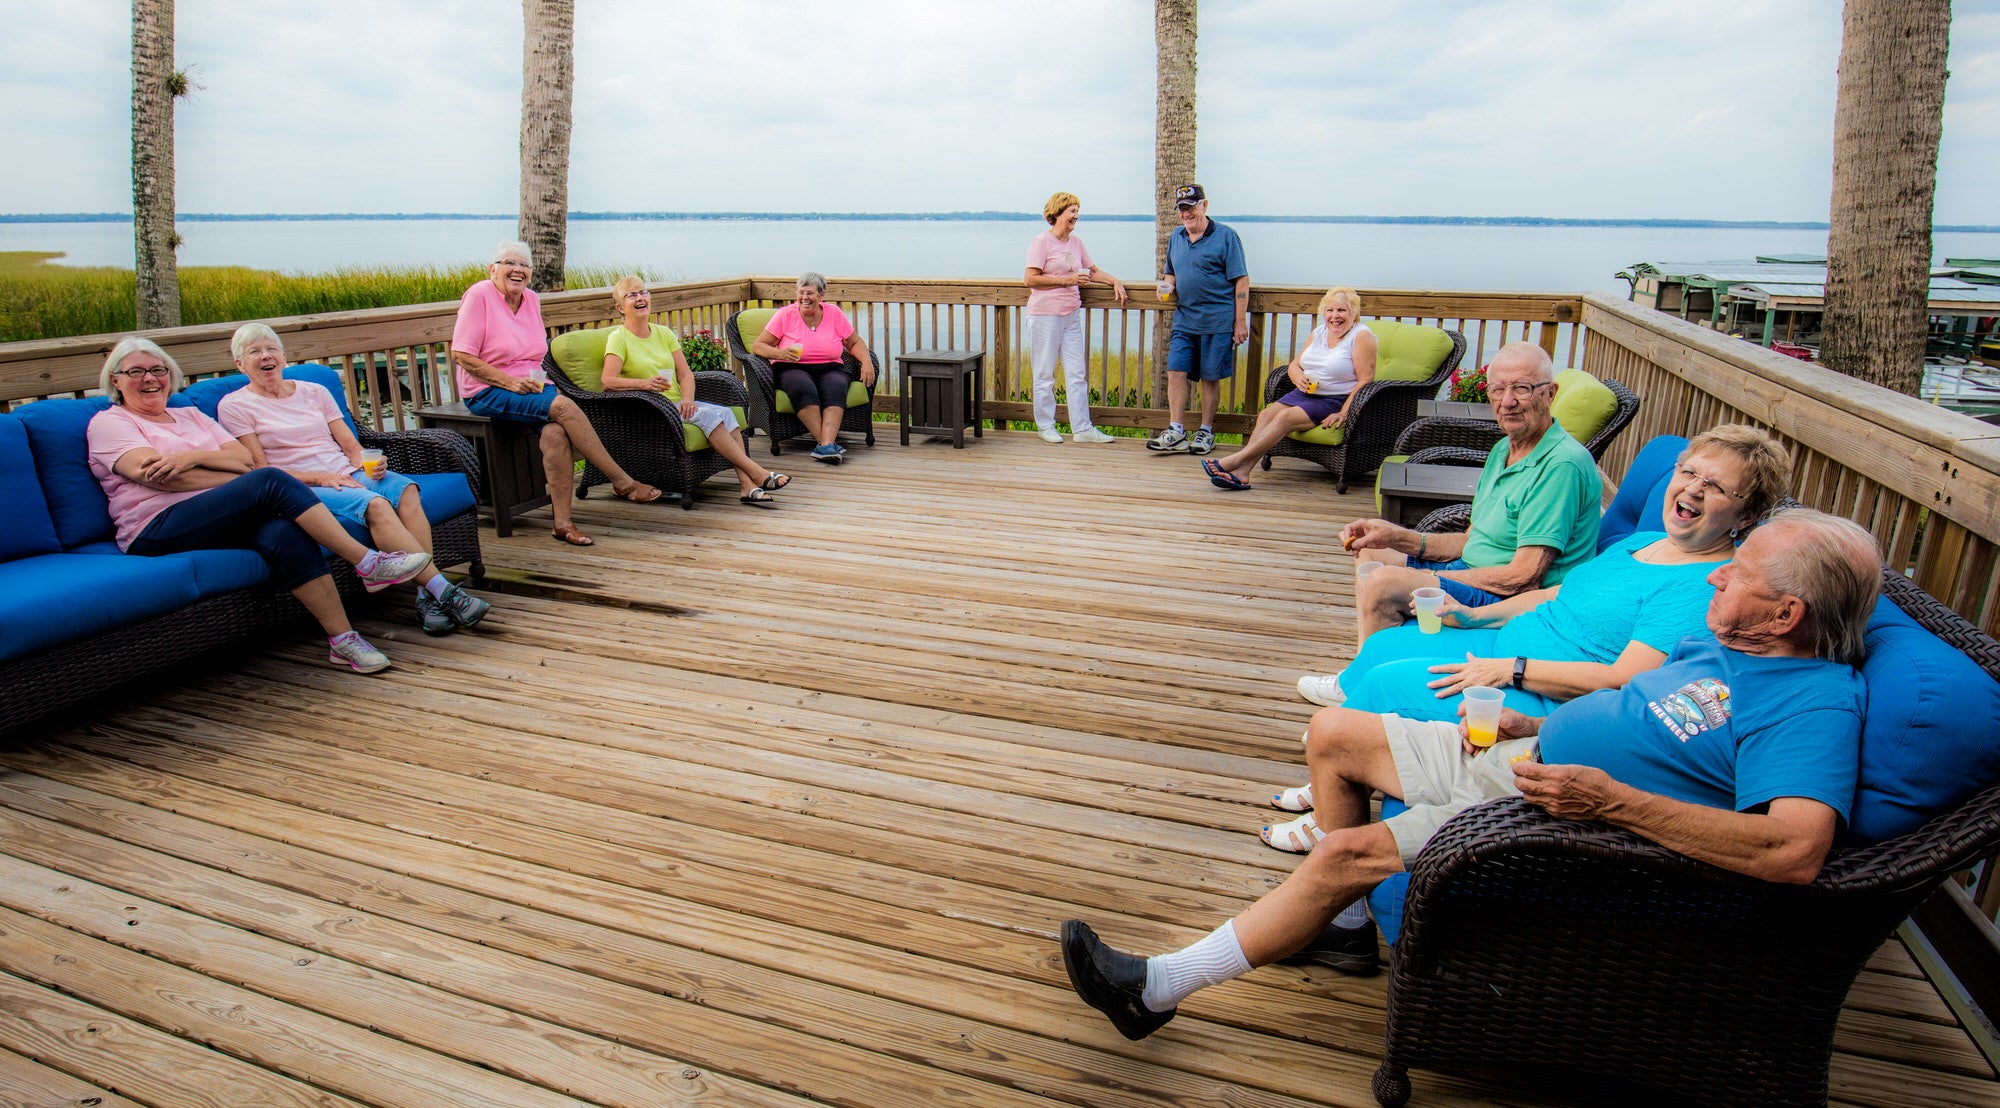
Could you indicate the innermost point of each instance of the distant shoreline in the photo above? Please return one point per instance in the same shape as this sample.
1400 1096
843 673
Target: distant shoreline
970 217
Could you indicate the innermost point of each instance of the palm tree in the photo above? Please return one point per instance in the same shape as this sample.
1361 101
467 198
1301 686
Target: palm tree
1173 144
547 75
155 86
1886 123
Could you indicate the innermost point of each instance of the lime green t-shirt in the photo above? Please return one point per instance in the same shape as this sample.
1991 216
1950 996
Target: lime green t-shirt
647 358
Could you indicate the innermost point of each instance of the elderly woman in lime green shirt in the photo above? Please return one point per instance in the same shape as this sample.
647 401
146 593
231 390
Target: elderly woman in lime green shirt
644 356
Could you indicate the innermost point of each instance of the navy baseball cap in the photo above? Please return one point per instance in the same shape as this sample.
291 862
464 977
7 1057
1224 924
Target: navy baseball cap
1189 195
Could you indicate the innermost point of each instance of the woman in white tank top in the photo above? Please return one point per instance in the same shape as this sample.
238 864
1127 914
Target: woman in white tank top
1325 376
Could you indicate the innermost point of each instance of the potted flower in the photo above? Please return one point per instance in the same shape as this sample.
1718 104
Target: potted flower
1469 388
702 351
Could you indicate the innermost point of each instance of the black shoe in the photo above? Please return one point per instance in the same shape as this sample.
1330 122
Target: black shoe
1338 948
1110 981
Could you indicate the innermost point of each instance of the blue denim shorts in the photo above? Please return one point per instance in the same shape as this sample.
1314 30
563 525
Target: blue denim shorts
521 407
351 505
1458 590
1207 357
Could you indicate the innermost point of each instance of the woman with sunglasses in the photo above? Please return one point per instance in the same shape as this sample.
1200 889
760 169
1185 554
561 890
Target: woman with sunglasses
177 481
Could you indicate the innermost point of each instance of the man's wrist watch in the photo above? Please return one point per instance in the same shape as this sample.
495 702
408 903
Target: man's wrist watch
1520 671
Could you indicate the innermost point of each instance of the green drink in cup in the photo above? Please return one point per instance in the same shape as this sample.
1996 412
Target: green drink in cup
1427 602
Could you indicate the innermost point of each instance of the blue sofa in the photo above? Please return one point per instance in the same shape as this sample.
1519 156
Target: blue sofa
77 615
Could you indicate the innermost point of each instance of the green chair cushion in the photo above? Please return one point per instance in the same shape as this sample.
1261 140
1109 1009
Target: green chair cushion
580 357
1378 478
751 322
1408 351
1583 405
1321 436
695 440
857 396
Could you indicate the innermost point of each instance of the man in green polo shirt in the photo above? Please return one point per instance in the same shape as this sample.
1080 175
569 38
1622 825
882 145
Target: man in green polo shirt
1534 514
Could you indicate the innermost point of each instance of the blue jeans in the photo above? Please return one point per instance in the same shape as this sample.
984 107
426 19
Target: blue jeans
252 512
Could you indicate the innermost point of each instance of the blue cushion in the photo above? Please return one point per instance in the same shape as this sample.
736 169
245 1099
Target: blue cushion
444 495
1643 493
215 571
56 430
1385 901
1932 736
29 529
51 599
207 395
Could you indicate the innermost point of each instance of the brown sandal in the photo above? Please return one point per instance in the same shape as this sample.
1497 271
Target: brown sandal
569 534
638 492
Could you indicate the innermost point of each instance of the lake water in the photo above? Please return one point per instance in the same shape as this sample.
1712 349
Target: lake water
1551 259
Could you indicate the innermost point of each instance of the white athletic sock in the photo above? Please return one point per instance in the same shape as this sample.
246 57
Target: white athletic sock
1175 427
367 562
437 586
1172 978
1353 916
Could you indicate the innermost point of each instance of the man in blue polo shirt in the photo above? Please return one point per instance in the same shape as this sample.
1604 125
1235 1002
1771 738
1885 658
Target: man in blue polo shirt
1210 283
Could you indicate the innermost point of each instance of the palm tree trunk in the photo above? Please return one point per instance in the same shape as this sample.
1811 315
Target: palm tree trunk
1173 146
547 75
1886 124
154 87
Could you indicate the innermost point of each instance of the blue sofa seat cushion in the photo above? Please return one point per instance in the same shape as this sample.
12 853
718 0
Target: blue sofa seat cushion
50 599
215 571
28 529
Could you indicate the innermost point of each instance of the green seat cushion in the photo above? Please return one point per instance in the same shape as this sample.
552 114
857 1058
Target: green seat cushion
1408 351
580 357
857 396
1378 478
1583 405
1321 436
696 440
751 322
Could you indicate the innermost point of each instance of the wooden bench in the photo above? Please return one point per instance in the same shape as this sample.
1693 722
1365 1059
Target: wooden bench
510 456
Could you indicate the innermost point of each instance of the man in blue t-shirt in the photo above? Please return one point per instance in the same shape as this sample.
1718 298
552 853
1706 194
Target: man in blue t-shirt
1741 750
1210 284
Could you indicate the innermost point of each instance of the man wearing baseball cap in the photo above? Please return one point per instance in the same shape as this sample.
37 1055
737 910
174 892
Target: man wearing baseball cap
1210 281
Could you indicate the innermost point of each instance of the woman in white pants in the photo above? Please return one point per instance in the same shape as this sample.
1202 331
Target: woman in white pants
1058 266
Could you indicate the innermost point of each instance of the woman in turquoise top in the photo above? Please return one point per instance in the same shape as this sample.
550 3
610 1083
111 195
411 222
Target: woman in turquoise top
1615 616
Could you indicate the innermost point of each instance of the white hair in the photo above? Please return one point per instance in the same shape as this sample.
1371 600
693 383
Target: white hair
249 333
508 249
135 344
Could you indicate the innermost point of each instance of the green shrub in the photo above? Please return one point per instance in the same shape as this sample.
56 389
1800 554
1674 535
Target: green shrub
703 353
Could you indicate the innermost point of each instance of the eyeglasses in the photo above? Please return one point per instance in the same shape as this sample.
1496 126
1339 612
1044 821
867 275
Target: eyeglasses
1518 392
1708 484
160 371
514 264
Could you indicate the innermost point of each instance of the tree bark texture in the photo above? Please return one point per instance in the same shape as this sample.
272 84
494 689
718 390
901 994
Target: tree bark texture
154 87
547 77
1886 124
1173 146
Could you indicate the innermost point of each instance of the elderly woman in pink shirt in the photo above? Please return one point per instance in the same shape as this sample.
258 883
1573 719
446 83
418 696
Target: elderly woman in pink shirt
297 427
497 344
803 343
177 481
1058 268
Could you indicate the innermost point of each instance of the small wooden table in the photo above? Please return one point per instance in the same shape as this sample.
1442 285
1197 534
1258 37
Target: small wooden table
943 394
1411 492
1456 409
510 461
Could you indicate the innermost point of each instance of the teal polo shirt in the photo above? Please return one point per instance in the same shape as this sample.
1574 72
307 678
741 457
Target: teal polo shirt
1549 498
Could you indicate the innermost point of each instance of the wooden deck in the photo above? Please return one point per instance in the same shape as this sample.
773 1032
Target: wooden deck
745 807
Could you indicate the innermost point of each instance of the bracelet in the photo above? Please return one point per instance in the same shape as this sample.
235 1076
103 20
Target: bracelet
1423 542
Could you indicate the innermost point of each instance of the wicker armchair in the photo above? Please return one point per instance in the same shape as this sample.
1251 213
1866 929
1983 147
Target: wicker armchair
1552 948
1445 440
1379 412
643 431
761 385
454 541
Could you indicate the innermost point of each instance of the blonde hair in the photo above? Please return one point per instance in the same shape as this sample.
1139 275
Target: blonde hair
1341 292
134 344
620 288
1767 468
1058 204
249 333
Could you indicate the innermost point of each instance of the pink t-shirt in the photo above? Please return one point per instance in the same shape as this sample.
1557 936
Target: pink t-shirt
823 344
294 432
1056 258
115 431
510 341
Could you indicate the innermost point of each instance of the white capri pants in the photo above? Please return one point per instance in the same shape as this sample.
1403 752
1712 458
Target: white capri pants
1048 334
710 416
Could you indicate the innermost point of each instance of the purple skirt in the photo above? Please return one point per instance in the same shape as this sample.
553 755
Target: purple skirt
1318 406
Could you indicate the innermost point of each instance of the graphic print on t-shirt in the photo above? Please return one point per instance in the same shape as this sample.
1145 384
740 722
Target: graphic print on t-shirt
1693 708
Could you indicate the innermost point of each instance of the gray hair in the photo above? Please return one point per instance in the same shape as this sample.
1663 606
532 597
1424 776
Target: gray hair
815 280
1833 567
507 249
249 333
135 344
1535 357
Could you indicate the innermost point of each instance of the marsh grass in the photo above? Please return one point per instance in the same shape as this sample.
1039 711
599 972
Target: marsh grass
42 301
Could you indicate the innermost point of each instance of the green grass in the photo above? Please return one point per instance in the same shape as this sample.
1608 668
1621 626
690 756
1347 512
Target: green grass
41 301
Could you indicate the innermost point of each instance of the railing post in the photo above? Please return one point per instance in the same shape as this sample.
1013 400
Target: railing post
1253 370
1000 374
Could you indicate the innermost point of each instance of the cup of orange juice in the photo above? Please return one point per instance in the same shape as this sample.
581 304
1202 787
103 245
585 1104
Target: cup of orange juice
1482 715
375 464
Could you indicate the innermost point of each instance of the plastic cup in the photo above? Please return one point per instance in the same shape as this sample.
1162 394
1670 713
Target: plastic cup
375 464
1482 716
1427 602
1363 569
538 377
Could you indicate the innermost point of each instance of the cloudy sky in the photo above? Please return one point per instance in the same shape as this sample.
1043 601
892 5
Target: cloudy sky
1718 109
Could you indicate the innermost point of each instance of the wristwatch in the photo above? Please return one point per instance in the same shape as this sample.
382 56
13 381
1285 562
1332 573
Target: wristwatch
1520 671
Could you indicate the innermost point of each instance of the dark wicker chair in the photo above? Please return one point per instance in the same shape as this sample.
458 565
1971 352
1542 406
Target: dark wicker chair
761 385
1446 440
1377 416
643 431
1552 949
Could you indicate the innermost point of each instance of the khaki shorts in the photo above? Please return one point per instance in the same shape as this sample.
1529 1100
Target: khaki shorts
1440 779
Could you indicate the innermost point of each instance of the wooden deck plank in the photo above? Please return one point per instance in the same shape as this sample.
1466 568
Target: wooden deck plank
29 1084
749 806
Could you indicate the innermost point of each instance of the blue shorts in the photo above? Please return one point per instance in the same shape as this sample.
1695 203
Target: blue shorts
1458 590
521 407
351 505
1317 406
1209 357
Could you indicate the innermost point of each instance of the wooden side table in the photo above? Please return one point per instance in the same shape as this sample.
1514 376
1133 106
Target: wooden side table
510 461
1456 409
1411 492
943 394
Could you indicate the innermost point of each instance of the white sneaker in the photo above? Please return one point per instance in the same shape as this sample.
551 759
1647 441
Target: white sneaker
393 567
354 652
1050 434
1323 691
1092 434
